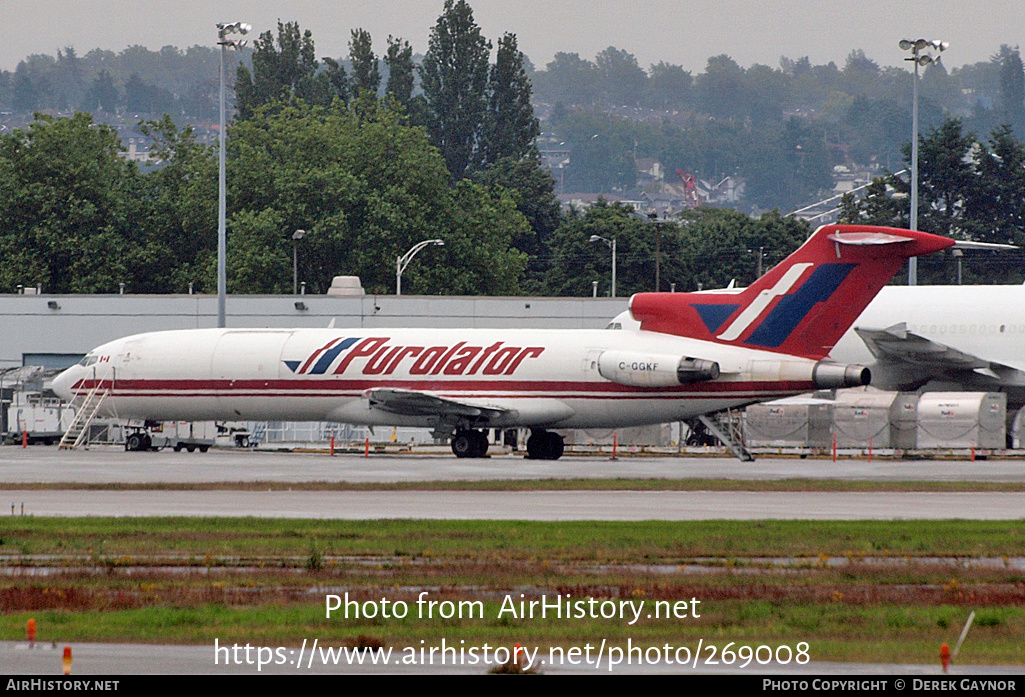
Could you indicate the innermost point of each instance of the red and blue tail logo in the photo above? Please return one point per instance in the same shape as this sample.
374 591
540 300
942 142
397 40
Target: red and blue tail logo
321 359
802 306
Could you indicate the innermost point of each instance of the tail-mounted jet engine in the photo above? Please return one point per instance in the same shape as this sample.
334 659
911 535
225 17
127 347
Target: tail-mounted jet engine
654 370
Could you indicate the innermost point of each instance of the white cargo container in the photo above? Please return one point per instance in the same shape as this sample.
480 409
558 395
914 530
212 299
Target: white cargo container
44 419
788 424
656 435
868 417
962 420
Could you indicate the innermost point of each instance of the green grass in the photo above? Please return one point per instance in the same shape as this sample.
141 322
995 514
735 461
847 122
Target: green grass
650 541
262 581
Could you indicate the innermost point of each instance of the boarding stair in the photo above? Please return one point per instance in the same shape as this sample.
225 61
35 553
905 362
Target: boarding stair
79 429
727 428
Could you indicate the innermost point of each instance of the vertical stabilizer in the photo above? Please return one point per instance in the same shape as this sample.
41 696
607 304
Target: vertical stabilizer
802 306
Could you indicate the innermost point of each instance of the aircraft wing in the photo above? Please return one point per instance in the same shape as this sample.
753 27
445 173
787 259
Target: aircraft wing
415 403
917 356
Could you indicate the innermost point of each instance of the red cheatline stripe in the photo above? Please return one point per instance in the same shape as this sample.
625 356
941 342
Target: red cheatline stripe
504 388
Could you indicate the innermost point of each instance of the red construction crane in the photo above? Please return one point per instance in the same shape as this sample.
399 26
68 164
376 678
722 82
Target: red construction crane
690 189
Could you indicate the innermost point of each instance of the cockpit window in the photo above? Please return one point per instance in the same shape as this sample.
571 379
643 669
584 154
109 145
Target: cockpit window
89 360
615 325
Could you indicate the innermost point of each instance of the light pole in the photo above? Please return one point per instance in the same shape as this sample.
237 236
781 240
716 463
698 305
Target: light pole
921 56
223 29
612 245
403 261
296 236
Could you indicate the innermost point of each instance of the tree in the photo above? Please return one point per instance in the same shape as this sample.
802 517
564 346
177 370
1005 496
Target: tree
603 152
946 178
876 207
509 128
180 219
533 191
1012 89
721 88
722 245
286 73
145 98
623 80
995 209
365 73
786 167
967 189
576 261
102 95
26 96
399 60
68 78
568 79
454 76
669 86
366 188
71 207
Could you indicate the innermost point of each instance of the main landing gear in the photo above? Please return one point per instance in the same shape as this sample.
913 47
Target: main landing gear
544 445
468 443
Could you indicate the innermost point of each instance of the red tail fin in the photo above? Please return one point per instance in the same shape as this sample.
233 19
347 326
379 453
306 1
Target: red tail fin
802 306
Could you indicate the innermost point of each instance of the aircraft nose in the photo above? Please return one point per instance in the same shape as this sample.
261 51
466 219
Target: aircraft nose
62 384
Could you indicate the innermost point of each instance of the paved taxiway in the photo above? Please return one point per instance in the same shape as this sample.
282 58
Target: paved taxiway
114 465
520 505
111 466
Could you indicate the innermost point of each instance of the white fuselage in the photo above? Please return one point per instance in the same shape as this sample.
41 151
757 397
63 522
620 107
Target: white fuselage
985 321
523 378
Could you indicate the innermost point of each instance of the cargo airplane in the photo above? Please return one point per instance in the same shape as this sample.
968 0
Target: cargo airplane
694 354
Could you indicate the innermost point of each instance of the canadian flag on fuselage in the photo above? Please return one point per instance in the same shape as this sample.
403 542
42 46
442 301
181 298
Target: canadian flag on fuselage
802 306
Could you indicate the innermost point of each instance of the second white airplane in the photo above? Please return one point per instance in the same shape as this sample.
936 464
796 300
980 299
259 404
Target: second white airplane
694 354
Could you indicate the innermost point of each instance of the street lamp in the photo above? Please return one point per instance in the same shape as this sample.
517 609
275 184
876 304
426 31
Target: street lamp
296 236
921 55
403 261
223 29
612 245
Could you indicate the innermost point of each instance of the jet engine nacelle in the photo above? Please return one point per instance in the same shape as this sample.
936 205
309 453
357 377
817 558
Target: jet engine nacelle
828 375
654 370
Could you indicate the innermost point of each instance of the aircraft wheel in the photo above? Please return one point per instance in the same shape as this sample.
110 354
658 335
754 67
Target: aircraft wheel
556 446
464 444
204 448
482 443
190 448
545 445
134 442
536 445
177 447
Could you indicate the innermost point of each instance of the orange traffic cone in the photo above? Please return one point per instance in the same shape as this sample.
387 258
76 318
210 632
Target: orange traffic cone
945 656
30 633
66 660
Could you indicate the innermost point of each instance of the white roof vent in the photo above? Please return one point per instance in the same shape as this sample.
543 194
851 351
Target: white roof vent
346 286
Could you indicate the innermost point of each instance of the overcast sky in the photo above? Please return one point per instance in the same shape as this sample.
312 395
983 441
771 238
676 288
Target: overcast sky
684 32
